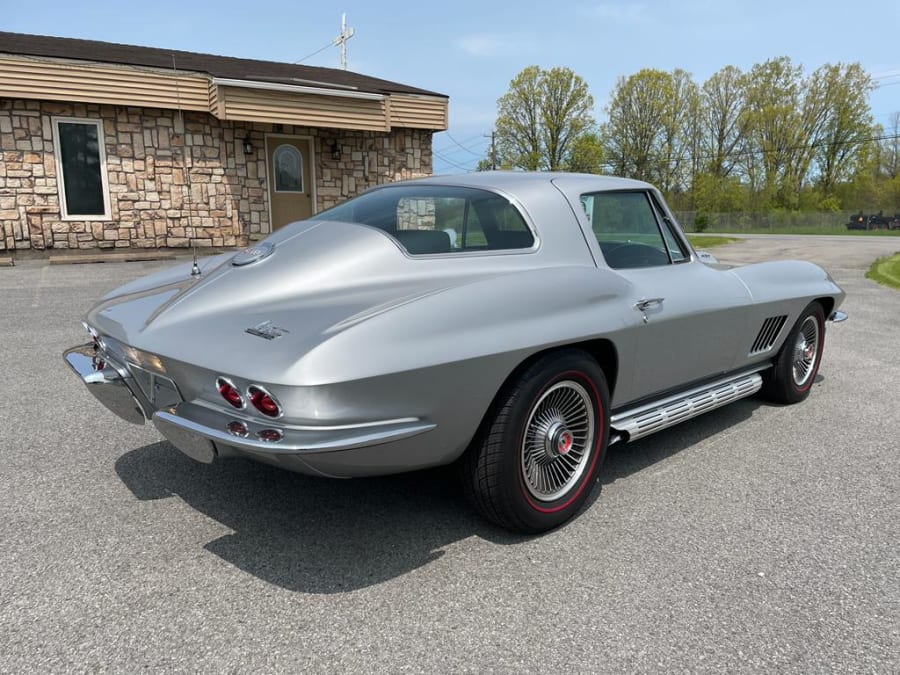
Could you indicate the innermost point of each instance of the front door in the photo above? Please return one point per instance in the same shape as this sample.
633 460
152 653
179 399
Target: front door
685 318
290 179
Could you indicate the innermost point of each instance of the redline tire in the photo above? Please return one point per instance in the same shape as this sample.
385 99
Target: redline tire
791 378
538 454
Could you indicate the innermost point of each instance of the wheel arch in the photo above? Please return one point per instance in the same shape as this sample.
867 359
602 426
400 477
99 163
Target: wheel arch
827 303
602 350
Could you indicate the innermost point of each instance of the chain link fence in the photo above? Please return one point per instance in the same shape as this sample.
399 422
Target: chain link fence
786 221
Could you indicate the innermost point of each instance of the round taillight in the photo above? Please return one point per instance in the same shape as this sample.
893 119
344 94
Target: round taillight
236 428
229 392
270 435
264 401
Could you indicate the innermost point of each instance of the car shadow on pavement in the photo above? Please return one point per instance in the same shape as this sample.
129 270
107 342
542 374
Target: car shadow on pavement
624 459
318 535
308 534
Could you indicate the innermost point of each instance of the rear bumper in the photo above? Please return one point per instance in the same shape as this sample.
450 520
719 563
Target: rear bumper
192 420
109 382
203 431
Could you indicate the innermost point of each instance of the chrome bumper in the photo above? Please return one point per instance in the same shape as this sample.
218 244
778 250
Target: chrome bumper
191 426
108 381
837 316
203 431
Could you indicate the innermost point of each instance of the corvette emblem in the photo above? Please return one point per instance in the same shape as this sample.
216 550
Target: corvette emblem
267 330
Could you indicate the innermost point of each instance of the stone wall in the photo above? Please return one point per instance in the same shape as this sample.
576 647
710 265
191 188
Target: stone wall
176 179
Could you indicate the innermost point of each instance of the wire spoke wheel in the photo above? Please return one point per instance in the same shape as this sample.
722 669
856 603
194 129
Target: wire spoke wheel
793 372
535 461
559 437
806 351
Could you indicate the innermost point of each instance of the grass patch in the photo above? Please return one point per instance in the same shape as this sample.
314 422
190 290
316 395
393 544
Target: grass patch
702 241
886 271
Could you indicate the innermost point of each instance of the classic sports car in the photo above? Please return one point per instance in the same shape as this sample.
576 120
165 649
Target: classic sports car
516 322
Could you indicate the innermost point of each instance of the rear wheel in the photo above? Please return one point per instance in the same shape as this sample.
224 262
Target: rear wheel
795 369
540 449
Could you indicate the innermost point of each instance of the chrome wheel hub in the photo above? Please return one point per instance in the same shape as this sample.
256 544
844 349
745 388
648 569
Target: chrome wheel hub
806 351
559 437
558 440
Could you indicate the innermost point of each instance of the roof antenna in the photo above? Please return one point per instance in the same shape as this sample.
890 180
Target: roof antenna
195 266
341 40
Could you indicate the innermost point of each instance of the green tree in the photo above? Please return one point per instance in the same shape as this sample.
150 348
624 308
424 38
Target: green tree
541 117
805 131
889 148
649 132
723 100
587 154
847 123
635 118
720 194
773 122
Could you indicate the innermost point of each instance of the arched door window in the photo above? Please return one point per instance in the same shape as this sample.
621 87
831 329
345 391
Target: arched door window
288 169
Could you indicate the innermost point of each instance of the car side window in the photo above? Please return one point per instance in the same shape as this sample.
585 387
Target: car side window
450 216
433 219
627 229
677 251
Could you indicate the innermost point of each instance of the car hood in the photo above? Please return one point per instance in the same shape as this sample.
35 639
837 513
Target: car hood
322 278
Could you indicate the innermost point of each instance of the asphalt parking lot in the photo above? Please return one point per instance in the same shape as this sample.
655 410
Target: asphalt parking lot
756 538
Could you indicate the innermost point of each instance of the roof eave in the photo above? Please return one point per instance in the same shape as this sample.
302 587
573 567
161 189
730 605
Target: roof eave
297 89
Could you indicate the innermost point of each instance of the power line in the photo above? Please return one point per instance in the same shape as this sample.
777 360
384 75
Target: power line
462 146
309 56
451 162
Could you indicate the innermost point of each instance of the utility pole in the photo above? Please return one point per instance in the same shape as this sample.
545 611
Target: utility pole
493 151
341 40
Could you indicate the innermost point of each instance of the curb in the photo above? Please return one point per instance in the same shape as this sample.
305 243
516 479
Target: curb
79 259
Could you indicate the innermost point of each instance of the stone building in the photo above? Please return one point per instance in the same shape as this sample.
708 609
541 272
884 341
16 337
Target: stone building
114 146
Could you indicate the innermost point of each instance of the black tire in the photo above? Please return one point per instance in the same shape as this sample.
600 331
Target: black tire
540 448
791 378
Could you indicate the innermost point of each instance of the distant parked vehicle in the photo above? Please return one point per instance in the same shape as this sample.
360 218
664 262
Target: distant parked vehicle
879 221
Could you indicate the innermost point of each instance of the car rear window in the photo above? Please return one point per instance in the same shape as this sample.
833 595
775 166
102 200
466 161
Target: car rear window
434 219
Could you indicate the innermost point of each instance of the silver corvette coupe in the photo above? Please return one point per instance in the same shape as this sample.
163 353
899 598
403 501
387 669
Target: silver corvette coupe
514 323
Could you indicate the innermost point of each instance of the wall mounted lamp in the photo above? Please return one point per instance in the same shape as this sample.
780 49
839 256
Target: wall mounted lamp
248 145
335 149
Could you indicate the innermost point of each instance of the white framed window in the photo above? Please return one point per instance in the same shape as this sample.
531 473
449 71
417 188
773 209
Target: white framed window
81 168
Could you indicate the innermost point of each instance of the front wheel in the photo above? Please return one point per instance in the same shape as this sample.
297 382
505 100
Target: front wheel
797 364
540 448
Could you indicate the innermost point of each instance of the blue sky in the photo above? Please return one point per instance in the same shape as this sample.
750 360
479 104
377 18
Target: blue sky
471 50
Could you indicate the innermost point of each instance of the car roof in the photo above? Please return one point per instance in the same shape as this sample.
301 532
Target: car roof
513 180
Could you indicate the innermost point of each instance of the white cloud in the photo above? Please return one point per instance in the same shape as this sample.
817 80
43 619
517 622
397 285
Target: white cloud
482 44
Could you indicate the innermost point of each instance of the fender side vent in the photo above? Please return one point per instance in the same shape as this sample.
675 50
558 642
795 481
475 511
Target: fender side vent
768 334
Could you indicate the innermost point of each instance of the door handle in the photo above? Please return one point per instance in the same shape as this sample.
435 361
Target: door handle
646 303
